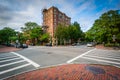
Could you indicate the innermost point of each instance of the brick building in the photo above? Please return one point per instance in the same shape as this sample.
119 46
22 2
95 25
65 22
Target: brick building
52 17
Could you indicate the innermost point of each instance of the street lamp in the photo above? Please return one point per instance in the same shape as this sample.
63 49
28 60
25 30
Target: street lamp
18 40
114 39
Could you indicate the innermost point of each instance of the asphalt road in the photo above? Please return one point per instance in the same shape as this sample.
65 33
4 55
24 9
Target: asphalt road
35 57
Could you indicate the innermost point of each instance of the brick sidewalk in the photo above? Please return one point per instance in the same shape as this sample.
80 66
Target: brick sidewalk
107 48
72 72
8 49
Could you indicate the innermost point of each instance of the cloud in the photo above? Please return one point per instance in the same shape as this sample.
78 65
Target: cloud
3 11
15 13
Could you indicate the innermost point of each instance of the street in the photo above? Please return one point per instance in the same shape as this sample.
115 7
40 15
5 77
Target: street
36 57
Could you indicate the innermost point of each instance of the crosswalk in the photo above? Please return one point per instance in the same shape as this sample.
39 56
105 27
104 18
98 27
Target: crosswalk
12 64
103 60
97 56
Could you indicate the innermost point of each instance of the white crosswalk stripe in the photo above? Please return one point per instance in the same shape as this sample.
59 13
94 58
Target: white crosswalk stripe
102 60
14 68
10 59
12 64
7 57
30 61
97 56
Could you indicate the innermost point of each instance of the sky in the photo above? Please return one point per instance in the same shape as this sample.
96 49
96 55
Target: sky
15 13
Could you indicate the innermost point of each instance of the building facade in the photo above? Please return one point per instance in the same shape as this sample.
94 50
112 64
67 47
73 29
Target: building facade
52 17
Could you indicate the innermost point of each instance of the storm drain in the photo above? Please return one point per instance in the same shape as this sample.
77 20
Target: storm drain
49 52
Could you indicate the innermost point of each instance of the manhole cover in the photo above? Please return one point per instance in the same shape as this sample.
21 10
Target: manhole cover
49 52
95 70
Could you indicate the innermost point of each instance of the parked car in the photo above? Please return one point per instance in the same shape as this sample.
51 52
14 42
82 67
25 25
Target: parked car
21 45
90 44
12 44
48 44
24 46
74 44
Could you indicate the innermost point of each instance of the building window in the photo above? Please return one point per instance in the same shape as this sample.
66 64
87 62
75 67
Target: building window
54 10
54 23
60 16
54 15
54 20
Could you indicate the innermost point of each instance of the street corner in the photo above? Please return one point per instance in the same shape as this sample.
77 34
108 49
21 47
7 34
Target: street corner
106 48
4 49
72 72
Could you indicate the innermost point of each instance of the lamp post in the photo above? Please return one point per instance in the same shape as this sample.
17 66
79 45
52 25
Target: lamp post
114 39
18 40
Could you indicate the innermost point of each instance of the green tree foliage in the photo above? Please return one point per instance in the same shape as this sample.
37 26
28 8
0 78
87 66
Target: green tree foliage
105 27
29 26
75 32
21 37
66 33
60 32
13 38
6 34
45 38
36 32
32 31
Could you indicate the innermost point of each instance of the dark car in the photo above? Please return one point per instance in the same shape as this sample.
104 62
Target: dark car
24 46
48 44
21 45
74 44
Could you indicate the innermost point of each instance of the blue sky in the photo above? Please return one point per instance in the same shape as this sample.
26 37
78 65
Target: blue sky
15 13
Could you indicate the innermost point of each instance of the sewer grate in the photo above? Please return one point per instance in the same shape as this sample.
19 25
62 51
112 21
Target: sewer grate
49 52
95 70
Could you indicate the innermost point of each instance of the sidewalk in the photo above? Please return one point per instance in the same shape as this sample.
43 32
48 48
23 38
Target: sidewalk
108 48
72 72
4 49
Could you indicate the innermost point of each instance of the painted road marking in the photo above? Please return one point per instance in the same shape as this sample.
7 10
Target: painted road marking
12 63
69 61
102 57
28 60
10 59
101 60
7 57
14 68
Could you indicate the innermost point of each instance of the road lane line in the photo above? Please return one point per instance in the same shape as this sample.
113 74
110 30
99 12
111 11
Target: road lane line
12 63
10 59
102 57
14 68
101 60
28 60
69 61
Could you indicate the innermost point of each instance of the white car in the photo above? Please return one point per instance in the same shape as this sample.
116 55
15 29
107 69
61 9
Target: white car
91 44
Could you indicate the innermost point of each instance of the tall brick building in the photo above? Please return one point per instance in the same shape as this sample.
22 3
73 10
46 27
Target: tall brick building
52 17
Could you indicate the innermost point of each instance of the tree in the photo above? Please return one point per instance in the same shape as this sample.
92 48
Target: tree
60 33
32 31
105 27
36 33
6 34
45 38
65 33
29 26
